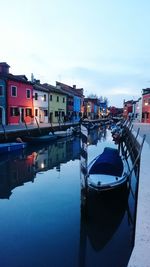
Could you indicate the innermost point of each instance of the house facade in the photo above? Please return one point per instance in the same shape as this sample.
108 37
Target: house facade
127 109
146 105
75 98
91 108
57 104
2 102
19 101
40 102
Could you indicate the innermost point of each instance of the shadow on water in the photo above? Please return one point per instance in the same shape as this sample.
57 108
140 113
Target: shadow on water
106 221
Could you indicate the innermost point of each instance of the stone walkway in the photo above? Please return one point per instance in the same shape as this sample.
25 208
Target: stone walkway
140 256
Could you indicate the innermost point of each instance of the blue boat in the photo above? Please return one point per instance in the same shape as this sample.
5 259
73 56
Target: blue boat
12 146
107 171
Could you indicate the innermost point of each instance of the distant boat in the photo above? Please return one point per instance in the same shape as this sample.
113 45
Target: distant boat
12 146
107 171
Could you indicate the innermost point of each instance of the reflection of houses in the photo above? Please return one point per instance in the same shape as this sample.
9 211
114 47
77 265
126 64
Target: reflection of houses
55 154
19 96
15 171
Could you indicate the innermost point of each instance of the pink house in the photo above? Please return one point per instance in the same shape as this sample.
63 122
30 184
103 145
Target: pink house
19 98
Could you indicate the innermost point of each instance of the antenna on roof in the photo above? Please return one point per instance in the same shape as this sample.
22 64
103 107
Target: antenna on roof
32 77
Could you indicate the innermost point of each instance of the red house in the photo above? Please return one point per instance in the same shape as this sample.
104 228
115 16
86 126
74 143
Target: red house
19 97
146 105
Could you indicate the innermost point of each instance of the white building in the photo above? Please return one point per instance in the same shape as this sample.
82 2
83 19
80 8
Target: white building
40 102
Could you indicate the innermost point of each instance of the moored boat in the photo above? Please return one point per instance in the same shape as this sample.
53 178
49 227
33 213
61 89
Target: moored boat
107 171
40 139
12 146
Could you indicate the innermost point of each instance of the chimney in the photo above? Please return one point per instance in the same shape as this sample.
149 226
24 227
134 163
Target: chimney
74 86
4 68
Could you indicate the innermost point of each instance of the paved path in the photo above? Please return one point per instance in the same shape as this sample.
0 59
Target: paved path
140 256
144 129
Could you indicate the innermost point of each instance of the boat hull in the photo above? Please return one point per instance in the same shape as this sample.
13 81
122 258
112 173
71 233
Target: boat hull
10 147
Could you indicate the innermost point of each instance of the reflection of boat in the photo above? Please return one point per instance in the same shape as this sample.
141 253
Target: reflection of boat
61 134
40 139
107 170
104 213
10 147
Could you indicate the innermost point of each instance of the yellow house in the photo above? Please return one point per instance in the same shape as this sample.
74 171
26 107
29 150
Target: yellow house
57 104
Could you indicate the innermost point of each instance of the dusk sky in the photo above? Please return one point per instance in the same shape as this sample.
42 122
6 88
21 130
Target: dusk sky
102 46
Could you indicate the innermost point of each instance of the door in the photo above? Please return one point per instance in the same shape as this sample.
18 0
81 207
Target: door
22 115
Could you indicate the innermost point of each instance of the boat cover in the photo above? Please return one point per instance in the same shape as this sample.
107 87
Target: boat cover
109 163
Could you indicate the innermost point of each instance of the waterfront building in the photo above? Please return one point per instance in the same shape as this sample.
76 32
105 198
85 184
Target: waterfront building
74 100
2 102
40 102
146 105
57 104
91 108
103 108
127 109
137 110
18 102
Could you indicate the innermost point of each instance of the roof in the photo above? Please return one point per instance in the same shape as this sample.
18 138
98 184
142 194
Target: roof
54 89
16 78
72 90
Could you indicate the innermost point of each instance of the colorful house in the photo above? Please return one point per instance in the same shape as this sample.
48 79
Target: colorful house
146 105
127 109
76 96
40 102
91 108
57 104
2 102
19 92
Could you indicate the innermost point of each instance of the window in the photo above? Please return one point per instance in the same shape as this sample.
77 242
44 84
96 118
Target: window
14 111
1 90
36 96
63 99
28 93
51 97
45 112
44 97
36 112
28 112
57 98
56 113
14 91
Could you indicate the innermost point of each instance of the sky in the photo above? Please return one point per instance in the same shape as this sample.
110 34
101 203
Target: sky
102 46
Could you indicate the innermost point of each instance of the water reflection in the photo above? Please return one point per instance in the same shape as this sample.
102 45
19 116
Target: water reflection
22 167
58 222
107 218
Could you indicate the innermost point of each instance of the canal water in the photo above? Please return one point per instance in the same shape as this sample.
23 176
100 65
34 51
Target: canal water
46 221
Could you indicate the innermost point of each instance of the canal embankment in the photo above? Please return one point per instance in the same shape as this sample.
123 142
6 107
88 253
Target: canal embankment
140 254
11 132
